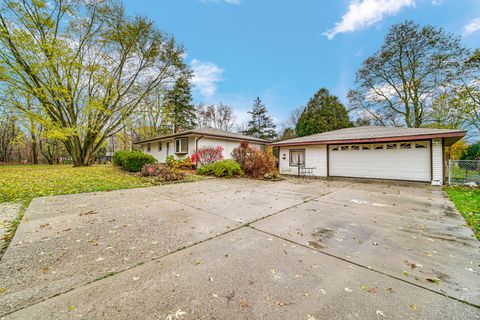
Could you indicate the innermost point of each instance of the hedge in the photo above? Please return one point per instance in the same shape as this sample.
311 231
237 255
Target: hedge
133 160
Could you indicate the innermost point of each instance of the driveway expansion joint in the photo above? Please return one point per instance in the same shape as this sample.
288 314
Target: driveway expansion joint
364 267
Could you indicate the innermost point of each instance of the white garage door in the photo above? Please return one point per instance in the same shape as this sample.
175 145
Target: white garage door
402 160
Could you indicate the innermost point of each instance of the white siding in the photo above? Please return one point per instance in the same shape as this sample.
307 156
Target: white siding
397 163
161 156
437 162
227 145
315 157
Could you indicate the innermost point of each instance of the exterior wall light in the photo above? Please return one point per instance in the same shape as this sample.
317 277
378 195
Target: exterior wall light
284 157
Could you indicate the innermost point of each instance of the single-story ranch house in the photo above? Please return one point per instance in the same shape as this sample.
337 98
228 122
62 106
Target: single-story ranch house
186 143
414 154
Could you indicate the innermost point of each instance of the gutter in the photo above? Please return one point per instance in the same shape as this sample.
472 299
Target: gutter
367 140
196 148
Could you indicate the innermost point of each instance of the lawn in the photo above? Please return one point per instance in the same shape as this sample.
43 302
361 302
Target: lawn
467 201
20 182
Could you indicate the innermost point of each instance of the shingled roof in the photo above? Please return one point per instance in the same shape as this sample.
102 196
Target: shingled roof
373 134
210 132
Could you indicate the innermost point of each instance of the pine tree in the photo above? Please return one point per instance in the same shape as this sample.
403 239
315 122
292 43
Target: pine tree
179 109
324 112
261 126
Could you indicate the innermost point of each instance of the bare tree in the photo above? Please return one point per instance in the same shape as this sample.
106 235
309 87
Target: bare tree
86 62
398 84
216 116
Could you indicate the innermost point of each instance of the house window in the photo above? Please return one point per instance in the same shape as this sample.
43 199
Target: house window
378 147
355 147
149 147
405 145
334 148
420 145
392 146
181 145
365 147
297 157
160 146
344 148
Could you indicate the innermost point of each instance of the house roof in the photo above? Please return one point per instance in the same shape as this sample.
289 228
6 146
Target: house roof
210 132
374 134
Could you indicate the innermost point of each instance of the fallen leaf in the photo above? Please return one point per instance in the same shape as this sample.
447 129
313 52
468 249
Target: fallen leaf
230 295
348 290
413 307
197 262
244 304
310 317
373 290
71 308
434 280
380 313
87 213
405 273
3 290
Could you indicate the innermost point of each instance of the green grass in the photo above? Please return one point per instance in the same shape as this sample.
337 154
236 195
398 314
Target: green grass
20 182
467 201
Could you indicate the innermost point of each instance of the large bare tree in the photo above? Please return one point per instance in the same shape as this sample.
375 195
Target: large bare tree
86 63
218 116
398 84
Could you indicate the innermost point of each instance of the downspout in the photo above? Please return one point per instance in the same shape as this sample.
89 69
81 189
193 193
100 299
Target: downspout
196 149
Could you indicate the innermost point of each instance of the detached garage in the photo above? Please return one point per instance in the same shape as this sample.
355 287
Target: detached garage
413 154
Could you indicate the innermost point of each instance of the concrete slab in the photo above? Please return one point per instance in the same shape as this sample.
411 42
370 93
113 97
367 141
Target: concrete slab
246 200
412 233
246 274
66 241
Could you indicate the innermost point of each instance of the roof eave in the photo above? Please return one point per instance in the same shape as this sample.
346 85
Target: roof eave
189 133
456 134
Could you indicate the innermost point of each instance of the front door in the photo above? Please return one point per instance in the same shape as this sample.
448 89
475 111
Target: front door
168 148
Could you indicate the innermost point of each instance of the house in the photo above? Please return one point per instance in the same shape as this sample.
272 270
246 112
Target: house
414 154
186 143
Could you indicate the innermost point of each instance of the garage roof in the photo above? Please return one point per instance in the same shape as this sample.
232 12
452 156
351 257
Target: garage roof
374 134
210 132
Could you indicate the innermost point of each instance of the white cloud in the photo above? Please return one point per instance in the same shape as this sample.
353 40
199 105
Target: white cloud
472 27
206 75
363 13
437 2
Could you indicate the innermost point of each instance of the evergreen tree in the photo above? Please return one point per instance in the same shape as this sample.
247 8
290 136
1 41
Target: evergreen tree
324 112
261 126
179 109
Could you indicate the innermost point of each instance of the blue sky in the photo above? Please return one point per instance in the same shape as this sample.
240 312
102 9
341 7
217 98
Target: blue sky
285 50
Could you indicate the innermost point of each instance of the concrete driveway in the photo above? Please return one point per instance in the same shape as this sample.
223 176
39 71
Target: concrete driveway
243 249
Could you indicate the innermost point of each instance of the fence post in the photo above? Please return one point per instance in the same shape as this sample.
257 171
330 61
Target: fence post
298 165
450 172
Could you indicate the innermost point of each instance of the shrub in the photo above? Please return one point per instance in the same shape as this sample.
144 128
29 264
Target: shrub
207 155
256 163
162 172
472 152
224 168
183 164
132 160
169 160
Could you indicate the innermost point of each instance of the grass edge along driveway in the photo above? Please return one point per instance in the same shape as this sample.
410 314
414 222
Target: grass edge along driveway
467 202
22 183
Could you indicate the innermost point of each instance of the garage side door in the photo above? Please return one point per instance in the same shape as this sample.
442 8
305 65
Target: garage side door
401 161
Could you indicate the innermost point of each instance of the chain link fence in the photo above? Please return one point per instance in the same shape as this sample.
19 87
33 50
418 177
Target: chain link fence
462 172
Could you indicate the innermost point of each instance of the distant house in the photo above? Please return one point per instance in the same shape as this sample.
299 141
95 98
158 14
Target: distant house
414 154
186 143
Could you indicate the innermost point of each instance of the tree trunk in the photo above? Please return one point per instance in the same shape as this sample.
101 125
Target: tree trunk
34 151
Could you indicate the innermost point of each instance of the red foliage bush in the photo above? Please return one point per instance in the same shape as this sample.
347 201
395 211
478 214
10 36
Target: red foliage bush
207 155
255 163
162 172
